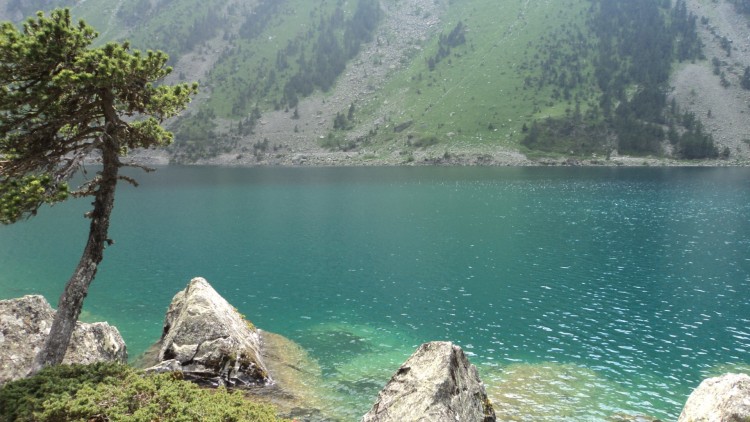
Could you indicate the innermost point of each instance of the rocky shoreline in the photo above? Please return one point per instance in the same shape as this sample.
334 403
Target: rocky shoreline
450 157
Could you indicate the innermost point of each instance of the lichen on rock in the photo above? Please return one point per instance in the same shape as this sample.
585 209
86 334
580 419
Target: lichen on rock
437 383
213 344
724 398
24 326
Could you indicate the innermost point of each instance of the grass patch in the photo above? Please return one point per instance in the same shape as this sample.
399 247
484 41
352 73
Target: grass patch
476 94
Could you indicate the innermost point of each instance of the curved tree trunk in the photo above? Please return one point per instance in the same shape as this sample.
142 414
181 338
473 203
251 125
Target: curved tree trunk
71 301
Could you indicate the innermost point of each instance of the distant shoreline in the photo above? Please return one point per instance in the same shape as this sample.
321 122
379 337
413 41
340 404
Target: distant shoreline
486 158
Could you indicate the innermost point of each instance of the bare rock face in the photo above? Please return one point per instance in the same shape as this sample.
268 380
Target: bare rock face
210 342
437 383
725 398
24 326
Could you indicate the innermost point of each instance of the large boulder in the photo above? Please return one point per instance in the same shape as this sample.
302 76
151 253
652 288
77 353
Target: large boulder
437 383
209 341
24 326
725 398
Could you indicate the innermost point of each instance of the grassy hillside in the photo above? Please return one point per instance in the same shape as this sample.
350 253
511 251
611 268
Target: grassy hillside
479 93
546 78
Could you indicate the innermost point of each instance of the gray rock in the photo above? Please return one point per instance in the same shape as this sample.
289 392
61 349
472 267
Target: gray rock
212 342
725 398
437 383
24 325
171 365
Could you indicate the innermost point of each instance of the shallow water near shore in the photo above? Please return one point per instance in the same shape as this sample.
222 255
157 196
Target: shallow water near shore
578 292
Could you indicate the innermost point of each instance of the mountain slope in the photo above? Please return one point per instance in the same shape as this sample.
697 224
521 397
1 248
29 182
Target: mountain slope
438 81
724 107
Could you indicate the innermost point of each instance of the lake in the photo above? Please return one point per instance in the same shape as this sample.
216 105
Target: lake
578 292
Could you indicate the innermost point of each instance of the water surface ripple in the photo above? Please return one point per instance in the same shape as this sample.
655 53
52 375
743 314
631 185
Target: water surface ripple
579 293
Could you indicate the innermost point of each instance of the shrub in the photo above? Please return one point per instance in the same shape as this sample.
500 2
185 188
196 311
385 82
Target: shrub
106 391
20 399
426 141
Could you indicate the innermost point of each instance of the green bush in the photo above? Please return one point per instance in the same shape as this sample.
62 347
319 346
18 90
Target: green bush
116 392
20 399
426 141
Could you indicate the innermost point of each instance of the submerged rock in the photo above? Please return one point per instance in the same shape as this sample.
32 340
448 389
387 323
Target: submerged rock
209 341
298 392
724 398
24 325
437 383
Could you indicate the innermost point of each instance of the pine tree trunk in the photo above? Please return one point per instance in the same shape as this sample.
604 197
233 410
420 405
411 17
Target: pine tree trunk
71 301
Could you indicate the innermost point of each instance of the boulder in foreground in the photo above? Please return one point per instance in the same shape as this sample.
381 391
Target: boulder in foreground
437 383
725 398
24 325
209 341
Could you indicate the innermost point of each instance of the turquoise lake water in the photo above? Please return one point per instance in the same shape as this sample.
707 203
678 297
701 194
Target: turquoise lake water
578 292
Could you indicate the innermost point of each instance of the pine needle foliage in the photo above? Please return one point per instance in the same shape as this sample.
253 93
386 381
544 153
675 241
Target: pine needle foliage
61 100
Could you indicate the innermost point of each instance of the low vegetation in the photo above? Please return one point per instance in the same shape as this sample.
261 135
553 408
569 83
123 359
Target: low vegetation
115 392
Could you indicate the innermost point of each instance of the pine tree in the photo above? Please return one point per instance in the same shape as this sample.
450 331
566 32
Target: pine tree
62 101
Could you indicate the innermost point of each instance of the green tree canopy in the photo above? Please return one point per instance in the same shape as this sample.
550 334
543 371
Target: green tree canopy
61 101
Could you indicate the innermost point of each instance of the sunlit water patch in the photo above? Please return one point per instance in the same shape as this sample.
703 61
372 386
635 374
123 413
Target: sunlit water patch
614 290
548 391
356 361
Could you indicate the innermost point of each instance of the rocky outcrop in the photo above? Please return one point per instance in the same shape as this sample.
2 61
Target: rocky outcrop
437 383
209 341
24 326
725 398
